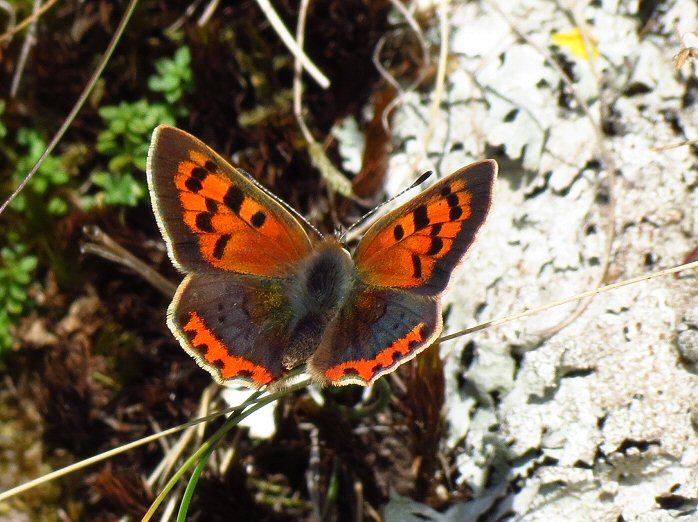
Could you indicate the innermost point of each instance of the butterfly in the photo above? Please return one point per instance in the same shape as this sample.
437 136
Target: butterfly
260 297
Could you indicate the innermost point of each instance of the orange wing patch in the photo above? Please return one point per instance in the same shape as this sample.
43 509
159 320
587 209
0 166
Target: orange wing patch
418 245
211 352
421 237
367 370
235 231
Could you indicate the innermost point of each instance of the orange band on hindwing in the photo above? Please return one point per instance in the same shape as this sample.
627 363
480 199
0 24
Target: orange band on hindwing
367 369
213 352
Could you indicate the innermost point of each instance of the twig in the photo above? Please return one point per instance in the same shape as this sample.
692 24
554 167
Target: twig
7 35
107 248
440 72
208 13
318 158
387 76
291 44
571 299
661 148
29 41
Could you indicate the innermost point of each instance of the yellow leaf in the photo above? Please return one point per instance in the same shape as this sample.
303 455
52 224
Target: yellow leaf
574 42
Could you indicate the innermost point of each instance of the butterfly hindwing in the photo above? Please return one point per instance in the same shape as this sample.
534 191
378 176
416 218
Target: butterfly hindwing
212 216
418 245
234 325
375 331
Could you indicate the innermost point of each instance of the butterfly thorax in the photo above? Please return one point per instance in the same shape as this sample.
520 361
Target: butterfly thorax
317 290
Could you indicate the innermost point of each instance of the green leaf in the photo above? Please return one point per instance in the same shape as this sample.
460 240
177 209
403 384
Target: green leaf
27 264
120 162
57 207
18 294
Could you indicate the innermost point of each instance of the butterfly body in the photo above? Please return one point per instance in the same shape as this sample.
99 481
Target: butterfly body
260 297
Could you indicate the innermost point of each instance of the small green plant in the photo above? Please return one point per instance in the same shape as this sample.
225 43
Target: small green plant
127 135
126 140
129 126
174 76
120 188
51 175
16 271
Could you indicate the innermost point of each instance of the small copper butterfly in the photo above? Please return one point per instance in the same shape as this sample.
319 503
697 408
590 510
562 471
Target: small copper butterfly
260 298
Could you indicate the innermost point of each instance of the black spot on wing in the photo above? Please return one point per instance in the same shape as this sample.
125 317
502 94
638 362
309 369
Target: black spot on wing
455 213
436 245
211 166
445 190
416 266
219 249
436 229
259 219
398 232
193 185
199 173
246 374
201 348
452 200
233 199
211 205
420 217
203 222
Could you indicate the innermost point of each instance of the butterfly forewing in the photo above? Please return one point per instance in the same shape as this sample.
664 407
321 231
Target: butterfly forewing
214 217
418 245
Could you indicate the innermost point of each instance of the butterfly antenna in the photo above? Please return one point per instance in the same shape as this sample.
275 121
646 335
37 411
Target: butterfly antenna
421 179
281 202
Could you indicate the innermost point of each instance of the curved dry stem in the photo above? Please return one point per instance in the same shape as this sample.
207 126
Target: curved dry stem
439 86
291 44
388 77
583 295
